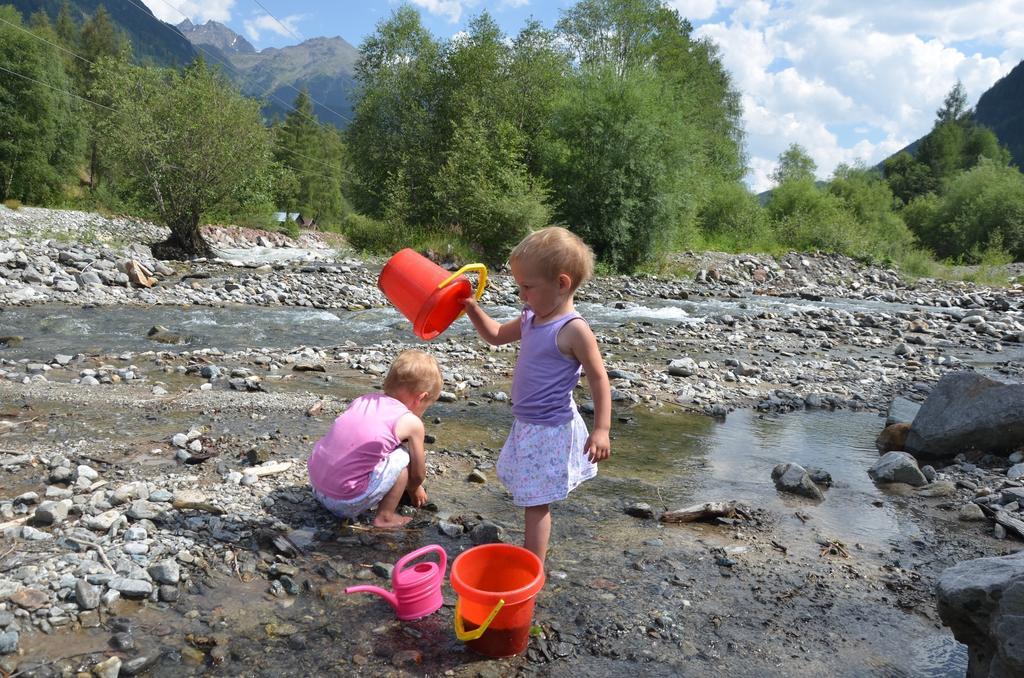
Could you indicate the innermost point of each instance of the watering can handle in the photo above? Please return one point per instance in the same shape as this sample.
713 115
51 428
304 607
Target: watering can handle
481 284
432 548
462 634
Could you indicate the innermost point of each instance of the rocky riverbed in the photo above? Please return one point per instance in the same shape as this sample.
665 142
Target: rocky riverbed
157 519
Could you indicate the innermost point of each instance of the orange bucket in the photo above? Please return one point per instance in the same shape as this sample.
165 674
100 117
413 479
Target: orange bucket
429 296
497 585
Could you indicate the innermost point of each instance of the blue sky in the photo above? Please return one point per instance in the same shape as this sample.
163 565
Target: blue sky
847 81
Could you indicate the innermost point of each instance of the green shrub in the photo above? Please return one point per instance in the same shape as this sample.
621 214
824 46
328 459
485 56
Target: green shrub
731 219
367 234
917 263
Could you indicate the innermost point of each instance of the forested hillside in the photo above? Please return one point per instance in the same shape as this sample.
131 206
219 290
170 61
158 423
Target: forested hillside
150 39
1001 109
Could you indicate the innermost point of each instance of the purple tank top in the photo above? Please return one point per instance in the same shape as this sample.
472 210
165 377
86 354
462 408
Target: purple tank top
544 377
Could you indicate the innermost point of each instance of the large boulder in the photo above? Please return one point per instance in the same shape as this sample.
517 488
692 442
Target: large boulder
968 411
982 602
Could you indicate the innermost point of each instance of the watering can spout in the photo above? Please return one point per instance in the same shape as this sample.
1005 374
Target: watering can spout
383 593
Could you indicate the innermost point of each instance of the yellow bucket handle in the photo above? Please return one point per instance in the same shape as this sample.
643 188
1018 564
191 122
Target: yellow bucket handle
462 634
480 286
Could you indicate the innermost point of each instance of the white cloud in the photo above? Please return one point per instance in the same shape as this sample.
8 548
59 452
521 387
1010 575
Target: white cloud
513 3
855 82
449 9
264 23
198 12
695 9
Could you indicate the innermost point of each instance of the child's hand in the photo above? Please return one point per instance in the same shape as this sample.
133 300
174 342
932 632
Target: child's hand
419 497
598 445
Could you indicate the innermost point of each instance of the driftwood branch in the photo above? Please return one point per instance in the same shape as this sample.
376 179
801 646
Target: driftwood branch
705 511
96 547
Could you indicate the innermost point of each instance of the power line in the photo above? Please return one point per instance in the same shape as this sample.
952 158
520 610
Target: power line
58 89
39 37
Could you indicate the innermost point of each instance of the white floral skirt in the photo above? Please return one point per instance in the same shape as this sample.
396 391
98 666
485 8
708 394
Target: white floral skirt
540 464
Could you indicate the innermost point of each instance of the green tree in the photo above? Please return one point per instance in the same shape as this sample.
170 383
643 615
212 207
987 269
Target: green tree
99 38
982 208
39 133
954 106
794 165
907 177
187 144
67 29
618 164
314 157
393 133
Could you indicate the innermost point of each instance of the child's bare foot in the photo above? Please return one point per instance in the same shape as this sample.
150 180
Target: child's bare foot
390 521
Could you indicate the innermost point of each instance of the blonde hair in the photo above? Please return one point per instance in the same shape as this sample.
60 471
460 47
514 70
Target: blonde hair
555 250
414 372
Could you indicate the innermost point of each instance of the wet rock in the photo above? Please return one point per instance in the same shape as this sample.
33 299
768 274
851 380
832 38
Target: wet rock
406 658
138 665
122 641
982 602
108 668
131 588
453 530
487 533
893 437
86 595
793 478
639 510
901 410
1015 472
383 570
820 476
965 411
167 593
897 467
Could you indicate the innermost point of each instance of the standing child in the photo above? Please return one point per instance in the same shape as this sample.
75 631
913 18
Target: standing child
548 451
361 463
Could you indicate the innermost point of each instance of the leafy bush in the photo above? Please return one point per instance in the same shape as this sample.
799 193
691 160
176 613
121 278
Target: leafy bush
370 235
732 219
982 209
807 218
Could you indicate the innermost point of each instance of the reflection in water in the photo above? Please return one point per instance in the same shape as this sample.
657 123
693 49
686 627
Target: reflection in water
681 459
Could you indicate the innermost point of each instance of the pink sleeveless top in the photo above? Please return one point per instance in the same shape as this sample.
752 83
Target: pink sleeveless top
359 439
544 377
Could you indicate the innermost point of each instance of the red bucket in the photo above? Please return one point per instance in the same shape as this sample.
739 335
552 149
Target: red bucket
497 585
429 296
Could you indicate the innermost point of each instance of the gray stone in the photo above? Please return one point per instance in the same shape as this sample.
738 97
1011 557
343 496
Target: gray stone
965 411
971 512
142 509
131 588
476 476
897 467
453 530
1016 472
901 410
52 512
61 474
639 510
929 472
982 602
165 572
86 595
168 593
487 533
682 367
793 478
8 642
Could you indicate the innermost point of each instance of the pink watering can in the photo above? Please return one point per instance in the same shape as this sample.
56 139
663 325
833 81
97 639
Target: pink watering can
417 589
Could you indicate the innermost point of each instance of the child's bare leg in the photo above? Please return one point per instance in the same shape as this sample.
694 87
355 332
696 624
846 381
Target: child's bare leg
386 516
538 529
